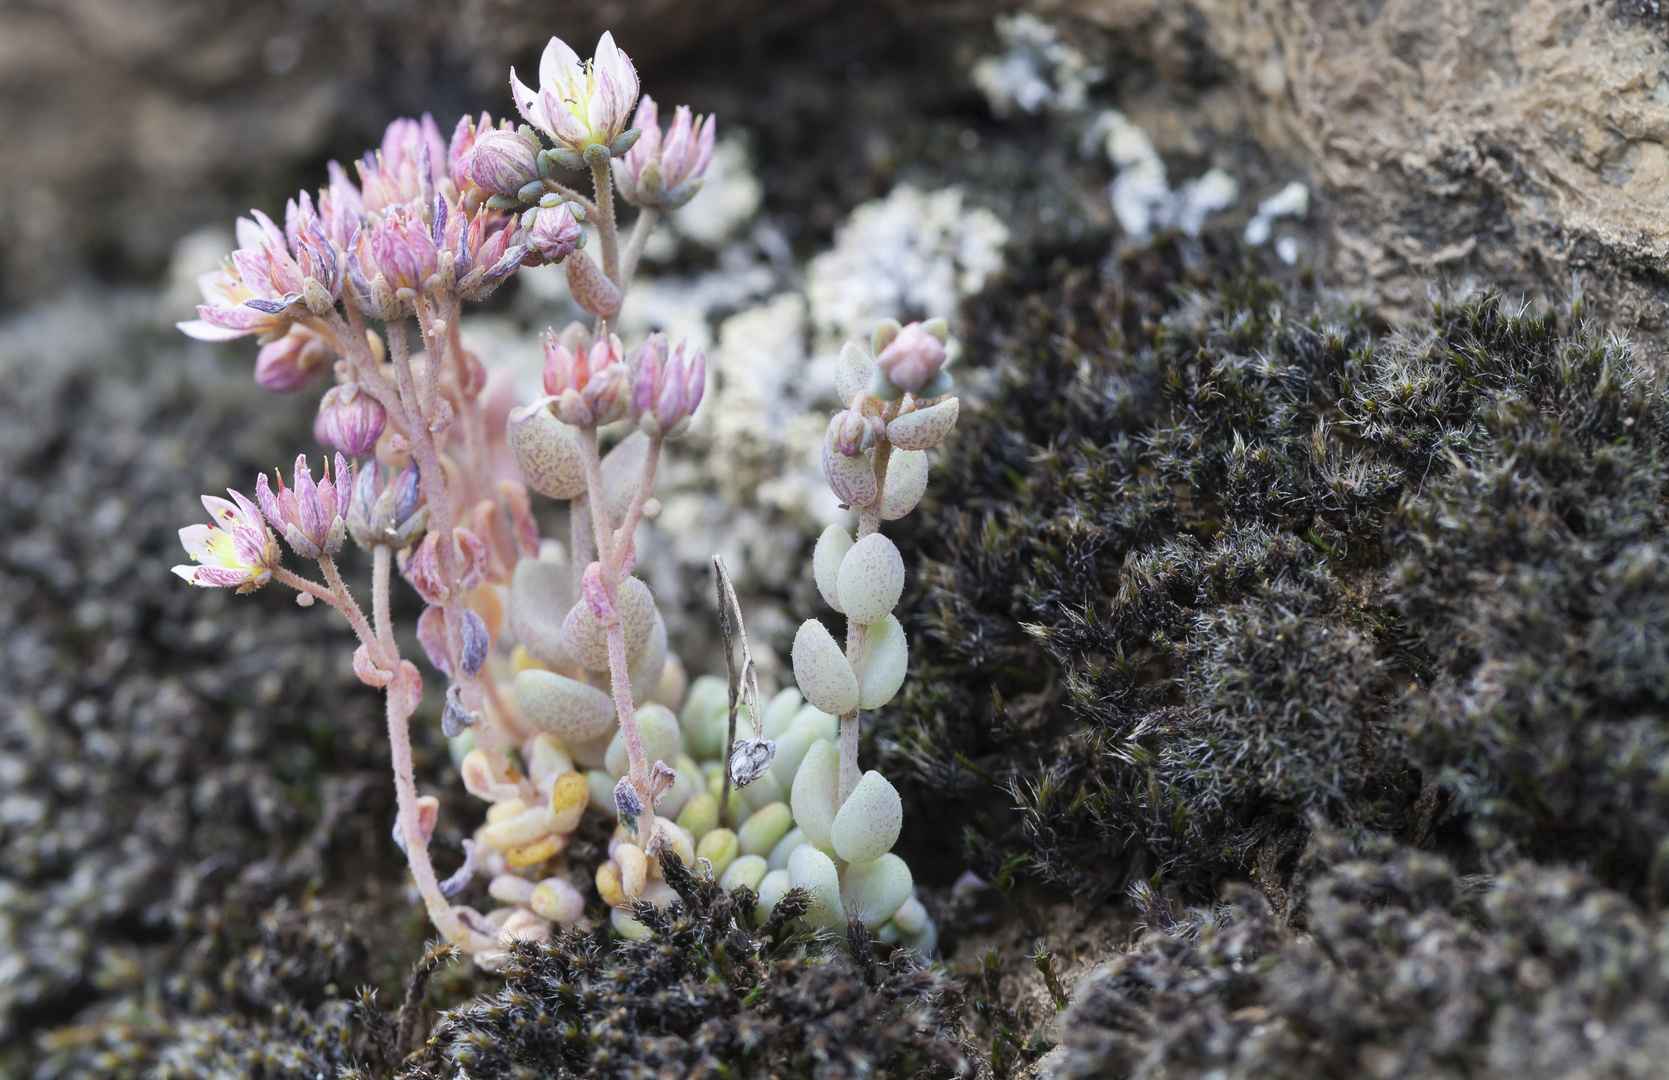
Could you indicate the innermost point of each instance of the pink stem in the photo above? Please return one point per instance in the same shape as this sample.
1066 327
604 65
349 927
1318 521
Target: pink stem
301 584
645 487
619 677
607 230
440 910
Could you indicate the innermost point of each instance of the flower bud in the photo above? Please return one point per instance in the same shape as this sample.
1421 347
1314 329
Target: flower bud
851 432
311 516
590 385
290 363
387 512
349 419
665 173
555 232
502 162
667 390
912 358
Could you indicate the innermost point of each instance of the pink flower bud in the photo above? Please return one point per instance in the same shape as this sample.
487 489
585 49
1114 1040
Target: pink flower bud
502 162
464 137
912 358
387 513
555 232
667 390
851 432
589 384
406 168
665 173
404 249
480 250
392 260
288 364
350 420
312 517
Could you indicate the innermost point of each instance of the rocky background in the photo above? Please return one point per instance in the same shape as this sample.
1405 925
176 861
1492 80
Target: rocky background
1289 627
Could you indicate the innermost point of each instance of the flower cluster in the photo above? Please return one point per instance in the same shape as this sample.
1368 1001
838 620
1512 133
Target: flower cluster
561 693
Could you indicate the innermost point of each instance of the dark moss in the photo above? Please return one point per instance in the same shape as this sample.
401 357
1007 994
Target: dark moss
1202 550
1409 970
704 995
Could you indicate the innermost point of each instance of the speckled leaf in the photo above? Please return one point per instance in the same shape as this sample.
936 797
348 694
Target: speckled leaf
821 670
924 428
546 452
572 711
886 656
906 483
832 547
870 581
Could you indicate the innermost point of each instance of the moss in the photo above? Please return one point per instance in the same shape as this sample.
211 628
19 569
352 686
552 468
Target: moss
1216 552
1409 969
704 994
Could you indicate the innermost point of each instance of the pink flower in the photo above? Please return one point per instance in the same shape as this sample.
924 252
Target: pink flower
555 233
502 162
914 356
341 208
590 385
288 364
349 419
464 137
664 174
236 551
270 279
580 104
477 251
407 169
312 517
226 317
391 262
666 390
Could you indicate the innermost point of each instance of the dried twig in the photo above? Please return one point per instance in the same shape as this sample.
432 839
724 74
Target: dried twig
744 680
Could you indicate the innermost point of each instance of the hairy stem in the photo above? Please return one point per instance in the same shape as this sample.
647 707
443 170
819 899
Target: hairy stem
619 677
440 910
365 369
559 188
641 229
608 231
347 606
311 588
382 561
634 512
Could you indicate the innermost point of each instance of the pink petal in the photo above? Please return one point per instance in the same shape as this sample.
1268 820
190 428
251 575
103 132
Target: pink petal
203 330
